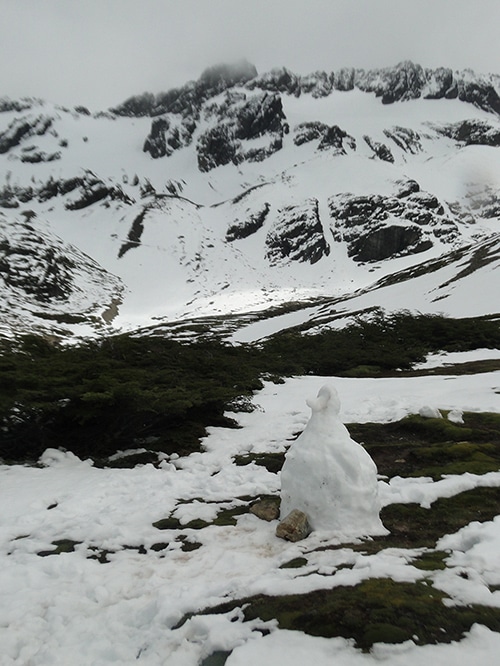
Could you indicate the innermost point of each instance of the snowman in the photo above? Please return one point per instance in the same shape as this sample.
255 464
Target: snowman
329 476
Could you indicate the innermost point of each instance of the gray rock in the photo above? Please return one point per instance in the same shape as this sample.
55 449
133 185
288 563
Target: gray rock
294 527
266 509
297 235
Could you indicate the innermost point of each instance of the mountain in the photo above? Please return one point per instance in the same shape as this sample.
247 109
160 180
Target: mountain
237 193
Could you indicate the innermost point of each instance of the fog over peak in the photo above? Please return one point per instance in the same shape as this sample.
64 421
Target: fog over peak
97 53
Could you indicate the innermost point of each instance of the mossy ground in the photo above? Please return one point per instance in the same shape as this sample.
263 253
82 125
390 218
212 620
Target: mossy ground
376 610
126 393
417 446
379 609
130 392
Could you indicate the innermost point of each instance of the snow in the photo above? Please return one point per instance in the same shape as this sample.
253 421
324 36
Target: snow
440 359
71 609
185 268
66 608
329 476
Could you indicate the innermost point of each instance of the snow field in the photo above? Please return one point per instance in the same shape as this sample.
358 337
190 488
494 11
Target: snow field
67 608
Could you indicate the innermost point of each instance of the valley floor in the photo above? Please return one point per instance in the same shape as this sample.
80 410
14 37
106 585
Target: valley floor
113 566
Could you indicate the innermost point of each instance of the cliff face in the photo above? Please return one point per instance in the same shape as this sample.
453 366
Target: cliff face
239 190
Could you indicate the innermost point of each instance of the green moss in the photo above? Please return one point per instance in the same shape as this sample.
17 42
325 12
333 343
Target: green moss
61 546
273 462
228 516
363 371
217 658
377 610
415 446
100 555
412 526
172 523
188 545
379 632
224 518
431 560
456 458
296 563
111 394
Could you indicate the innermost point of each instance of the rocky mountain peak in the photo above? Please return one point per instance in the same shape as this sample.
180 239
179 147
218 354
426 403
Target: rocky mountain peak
243 183
220 77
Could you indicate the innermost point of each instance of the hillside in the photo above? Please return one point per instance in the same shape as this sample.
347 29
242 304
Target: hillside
242 191
179 274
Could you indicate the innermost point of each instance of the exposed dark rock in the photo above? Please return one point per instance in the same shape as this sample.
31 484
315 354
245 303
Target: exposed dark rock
297 234
262 114
377 227
7 104
471 132
294 527
440 83
407 187
406 138
249 225
82 110
21 128
334 138
165 137
188 99
134 234
29 262
216 147
330 137
156 144
40 156
389 241
241 119
381 151
344 79
309 131
358 210
136 106
8 199
405 81
394 84
91 190
11 196
318 84
479 92
425 200
91 195
278 80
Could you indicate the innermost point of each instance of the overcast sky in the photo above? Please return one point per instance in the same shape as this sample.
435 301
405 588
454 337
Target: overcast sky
99 52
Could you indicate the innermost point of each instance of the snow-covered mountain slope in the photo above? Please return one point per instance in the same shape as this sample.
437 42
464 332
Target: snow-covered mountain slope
239 191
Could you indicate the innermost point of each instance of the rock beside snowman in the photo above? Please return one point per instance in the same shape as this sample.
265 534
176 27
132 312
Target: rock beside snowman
329 476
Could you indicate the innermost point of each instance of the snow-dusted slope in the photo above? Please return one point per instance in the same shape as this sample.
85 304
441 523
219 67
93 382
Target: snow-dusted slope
240 191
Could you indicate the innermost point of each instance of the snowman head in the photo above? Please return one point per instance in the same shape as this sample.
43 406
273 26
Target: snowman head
326 401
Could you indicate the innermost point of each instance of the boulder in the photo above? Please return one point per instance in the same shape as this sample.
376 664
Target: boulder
294 527
266 509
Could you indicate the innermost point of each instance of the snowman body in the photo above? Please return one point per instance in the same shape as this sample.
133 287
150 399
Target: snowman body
329 476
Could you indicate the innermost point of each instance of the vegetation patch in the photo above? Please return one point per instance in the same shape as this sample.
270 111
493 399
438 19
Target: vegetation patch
376 610
224 518
417 446
273 462
431 560
411 526
296 563
60 546
117 393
